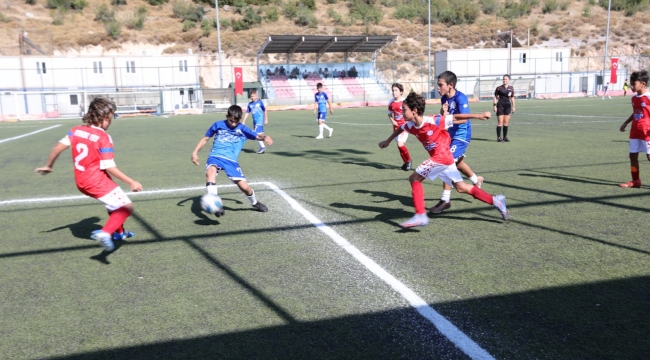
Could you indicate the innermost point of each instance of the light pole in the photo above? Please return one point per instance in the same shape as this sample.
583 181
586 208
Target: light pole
216 7
429 56
609 7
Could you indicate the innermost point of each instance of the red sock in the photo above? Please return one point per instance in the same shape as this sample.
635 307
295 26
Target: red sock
121 228
635 173
417 192
481 195
404 153
116 220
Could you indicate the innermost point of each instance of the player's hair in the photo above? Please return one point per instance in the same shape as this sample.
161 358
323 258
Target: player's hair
98 110
640 75
319 85
253 91
399 86
415 101
508 76
234 112
449 77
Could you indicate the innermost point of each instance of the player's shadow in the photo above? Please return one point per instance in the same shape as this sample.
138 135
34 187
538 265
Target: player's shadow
249 151
371 164
404 200
482 139
81 229
103 256
621 141
386 215
580 180
304 136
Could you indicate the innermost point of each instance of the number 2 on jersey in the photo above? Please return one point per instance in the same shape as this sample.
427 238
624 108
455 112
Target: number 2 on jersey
83 152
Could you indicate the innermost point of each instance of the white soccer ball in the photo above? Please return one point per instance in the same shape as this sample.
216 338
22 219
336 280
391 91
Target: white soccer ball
211 204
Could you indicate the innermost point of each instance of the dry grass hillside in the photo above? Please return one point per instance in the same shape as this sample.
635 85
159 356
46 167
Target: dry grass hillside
581 26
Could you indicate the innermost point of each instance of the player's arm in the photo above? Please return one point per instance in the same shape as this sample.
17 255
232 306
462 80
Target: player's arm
54 154
315 107
243 121
444 109
384 144
512 101
114 171
267 139
391 117
266 117
199 146
629 120
330 105
495 100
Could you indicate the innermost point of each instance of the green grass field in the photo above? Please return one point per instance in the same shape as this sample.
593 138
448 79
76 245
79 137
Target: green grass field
568 277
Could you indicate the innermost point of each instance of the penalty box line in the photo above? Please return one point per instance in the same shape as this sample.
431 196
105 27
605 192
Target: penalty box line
446 328
31 133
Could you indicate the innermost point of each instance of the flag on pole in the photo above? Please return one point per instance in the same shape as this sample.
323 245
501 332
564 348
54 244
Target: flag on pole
612 78
239 81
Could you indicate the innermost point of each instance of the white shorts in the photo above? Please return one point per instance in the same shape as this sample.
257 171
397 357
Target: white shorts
447 173
115 199
402 137
639 146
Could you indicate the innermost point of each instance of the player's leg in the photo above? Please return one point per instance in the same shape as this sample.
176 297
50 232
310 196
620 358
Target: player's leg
636 146
506 119
320 126
260 130
498 201
120 208
323 118
500 119
235 174
428 169
211 170
404 151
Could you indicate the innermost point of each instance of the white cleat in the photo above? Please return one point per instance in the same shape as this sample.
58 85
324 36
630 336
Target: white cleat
500 204
416 220
105 240
319 136
331 131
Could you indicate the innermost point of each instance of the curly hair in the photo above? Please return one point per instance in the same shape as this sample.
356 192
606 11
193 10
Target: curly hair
98 110
415 101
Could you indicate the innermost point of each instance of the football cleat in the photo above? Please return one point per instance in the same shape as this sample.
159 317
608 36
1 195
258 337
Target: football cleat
631 184
104 240
260 207
479 184
407 166
500 203
261 150
220 213
416 220
319 136
440 207
121 236
505 139
499 139
331 131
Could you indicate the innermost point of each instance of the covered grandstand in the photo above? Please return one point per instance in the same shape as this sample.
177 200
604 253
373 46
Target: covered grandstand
343 81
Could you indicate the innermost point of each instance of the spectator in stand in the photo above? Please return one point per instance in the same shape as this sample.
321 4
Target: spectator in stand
268 73
320 71
342 73
305 74
353 72
277 71
326 73
335 73
283 71
294 73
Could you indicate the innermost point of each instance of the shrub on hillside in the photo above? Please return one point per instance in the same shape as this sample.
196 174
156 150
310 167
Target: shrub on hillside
113 29
66 4
136 21
513 10
206 26
630 7
104 14
410 10
460 12
306 18
30 2
118 2
271 14
490 7
157 2
187 11
365 11
290 9
188 25
549 6
310 4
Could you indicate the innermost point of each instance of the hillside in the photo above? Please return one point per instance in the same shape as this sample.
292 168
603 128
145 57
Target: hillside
68 31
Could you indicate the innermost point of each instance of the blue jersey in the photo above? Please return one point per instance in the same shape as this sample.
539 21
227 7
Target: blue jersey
458 104
257 109
228 142
321 98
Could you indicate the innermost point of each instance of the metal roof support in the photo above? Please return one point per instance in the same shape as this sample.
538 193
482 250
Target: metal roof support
259 53
324 48
295 47
357 45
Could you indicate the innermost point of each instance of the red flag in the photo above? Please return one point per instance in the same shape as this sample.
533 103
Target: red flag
612 78
239 81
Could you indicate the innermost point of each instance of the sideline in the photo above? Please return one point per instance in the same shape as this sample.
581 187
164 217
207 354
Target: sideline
31 133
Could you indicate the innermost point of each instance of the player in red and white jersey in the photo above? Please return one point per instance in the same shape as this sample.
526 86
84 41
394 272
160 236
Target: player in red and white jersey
431 131
640 130
396 118
92 154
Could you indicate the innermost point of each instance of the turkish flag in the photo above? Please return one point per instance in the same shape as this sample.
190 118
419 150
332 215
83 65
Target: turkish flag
612 78
239 81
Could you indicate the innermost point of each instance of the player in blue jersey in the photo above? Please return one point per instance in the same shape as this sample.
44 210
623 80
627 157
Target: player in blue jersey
229 138
260 117
321 102
455 102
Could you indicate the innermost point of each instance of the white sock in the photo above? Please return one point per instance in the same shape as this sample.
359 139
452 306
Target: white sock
474 179
252 198
320 129
327 127
212 189
446 195
262 146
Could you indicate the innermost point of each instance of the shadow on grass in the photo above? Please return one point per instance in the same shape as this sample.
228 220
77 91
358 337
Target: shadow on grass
203 218
600 320
81 229
339 156
579 180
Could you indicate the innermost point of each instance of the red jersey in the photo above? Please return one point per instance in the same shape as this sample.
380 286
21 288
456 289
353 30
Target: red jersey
395 109
434 136
641 124
92 154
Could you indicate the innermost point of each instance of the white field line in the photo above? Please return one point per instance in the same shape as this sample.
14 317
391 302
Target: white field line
31 133
449 330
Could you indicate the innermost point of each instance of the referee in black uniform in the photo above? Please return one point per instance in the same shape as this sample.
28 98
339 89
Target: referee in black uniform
504 105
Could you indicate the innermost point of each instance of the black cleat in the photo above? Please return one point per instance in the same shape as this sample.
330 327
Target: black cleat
506 139
406 166
260 207
440 207
220 213
499 139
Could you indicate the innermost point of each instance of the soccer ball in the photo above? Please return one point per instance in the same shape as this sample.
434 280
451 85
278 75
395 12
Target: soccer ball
211 204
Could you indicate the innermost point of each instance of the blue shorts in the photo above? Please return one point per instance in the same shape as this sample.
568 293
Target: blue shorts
259 129
322 115
458 148
232 169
